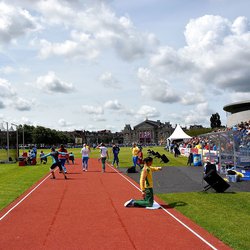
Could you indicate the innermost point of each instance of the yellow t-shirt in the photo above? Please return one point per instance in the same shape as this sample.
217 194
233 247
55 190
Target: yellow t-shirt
135 151
146 179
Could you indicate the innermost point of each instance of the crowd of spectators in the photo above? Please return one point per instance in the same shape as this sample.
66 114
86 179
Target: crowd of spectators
205 142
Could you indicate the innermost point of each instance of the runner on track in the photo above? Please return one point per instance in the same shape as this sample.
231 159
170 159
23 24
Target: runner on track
55 162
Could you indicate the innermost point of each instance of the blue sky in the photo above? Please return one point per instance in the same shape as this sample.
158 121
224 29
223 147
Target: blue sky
99 64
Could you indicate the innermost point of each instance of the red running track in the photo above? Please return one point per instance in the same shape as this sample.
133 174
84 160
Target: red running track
87 212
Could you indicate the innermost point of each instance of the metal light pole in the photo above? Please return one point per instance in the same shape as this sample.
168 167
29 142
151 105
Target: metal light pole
17 145
8 142
23 136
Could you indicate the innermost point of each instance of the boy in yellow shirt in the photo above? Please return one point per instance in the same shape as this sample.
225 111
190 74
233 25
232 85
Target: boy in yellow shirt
135 152
146 185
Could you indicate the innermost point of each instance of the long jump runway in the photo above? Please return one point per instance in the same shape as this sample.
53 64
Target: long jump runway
87 212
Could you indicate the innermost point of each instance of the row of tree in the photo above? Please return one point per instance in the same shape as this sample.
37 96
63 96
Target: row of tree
41 135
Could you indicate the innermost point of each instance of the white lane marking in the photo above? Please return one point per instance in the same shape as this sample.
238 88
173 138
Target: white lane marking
173 216
25 197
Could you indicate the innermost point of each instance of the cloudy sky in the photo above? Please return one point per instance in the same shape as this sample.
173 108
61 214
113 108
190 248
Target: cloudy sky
101 64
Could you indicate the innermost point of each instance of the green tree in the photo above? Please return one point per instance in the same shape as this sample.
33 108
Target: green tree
28 131
215 121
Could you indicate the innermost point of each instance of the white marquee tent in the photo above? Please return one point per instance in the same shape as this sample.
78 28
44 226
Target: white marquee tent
178 134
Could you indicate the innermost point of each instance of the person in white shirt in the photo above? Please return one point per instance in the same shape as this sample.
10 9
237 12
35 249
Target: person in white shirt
104 155
85 156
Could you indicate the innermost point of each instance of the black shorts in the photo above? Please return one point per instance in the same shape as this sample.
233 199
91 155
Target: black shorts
56 164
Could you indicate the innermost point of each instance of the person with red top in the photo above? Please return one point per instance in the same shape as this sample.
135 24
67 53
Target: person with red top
140 158
63 157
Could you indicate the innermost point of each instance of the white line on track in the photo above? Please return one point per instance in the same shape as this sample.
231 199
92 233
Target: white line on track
25 197
173 216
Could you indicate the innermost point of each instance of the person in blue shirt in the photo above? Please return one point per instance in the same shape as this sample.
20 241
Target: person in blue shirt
31 158
116 151
55 162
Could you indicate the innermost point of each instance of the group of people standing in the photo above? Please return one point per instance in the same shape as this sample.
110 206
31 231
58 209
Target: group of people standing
60 156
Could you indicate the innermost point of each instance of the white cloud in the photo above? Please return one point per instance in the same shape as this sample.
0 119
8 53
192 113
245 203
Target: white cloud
207 31
146 111
240 25
109 80
113 104
167 60
98 118
238 97
22 104
156 88
7 70
6 89
217 55
26 120
94 28
100 40
15 22
190 98
2 105
200 114
50 83
92 110
70 49
63 123
56 12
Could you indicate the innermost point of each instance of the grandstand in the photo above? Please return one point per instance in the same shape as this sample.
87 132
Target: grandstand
237 112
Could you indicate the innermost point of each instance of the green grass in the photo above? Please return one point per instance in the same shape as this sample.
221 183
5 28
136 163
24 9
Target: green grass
225 215
4 154
15 180
125 157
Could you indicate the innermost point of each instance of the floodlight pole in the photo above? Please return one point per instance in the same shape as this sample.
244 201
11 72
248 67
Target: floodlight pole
17 145
23 136
8 142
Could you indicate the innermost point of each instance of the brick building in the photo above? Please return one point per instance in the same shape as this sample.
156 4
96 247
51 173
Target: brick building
147 132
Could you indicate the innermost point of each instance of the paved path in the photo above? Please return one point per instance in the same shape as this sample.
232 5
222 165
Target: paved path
186 179
86 212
